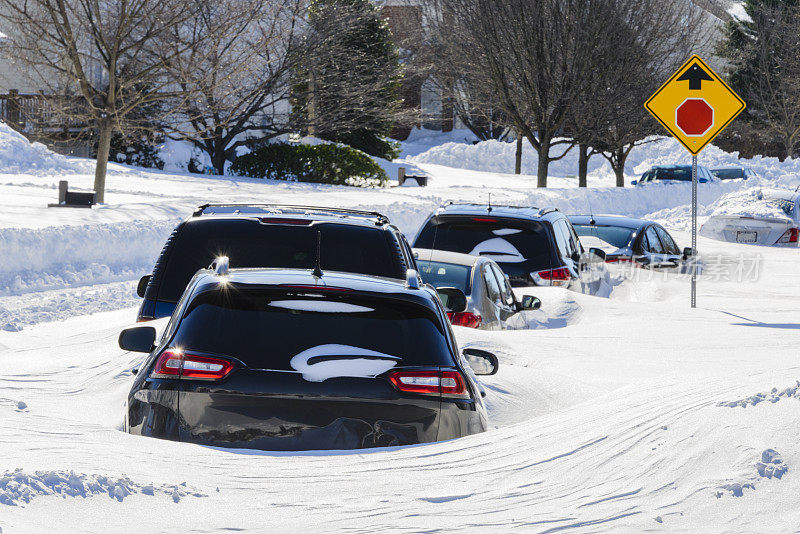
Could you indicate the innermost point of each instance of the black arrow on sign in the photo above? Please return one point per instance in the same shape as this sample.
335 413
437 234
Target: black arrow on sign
695 76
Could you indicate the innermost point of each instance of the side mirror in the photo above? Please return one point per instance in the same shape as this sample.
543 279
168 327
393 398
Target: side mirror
143 281
600 253
529 302
138 339
634 182
453 299
687 253
482 362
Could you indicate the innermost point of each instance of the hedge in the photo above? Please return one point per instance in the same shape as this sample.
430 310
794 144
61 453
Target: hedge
323 164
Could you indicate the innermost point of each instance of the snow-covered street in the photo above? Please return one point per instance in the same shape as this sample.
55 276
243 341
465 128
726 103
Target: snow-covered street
631 413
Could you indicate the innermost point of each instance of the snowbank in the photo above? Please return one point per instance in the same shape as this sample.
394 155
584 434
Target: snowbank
68 256
496 156
18 155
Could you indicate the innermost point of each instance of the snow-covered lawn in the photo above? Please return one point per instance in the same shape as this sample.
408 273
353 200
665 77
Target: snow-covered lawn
633 413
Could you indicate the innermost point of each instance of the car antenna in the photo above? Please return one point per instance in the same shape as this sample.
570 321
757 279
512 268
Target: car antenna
489 209
318 263
591 213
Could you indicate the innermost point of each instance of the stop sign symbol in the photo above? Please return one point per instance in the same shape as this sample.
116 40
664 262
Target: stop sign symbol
694 117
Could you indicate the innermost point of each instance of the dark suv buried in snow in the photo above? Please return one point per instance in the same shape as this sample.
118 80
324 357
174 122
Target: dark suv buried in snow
279 359
272 235
533 246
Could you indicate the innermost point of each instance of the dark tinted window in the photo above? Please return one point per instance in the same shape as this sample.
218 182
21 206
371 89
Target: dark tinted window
249 243
515 245
616 236
492 287
440 274
683 174
653 242
505 288
669 244
728 174
267 328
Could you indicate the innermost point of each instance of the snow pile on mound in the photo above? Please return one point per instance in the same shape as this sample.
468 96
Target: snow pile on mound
748 202
496 156
68 256
559 309
17 487
751 202
18 155
421 140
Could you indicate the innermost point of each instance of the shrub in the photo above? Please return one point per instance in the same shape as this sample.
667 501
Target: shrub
139 149
323 164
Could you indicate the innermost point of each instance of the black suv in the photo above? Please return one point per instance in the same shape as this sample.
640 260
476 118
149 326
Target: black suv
533 246
265 235
283 359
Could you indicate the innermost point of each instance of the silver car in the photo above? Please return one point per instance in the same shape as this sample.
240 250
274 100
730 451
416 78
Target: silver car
773 220
489 298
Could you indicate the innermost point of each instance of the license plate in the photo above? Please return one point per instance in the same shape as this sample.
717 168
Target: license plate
746 237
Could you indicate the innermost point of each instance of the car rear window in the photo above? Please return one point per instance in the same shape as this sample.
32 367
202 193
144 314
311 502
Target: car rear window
440 274
516 245
615 236
680 173
728 174
248 243
266 328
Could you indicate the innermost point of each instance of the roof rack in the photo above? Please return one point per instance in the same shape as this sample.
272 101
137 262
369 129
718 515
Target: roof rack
493 206
220 265
272 208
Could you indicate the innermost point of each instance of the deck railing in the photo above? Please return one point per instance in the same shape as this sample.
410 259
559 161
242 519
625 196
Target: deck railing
38 113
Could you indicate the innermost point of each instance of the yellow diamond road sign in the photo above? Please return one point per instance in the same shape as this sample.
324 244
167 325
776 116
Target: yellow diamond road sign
695 105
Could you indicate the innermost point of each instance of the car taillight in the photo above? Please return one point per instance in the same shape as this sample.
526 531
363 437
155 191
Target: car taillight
483 219
447 383
186 365
470 320
790 236
618 259
553 277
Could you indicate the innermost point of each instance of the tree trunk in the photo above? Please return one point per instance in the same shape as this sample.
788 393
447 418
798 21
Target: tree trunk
583 164
218 159
544 161
619 169
518 156
103 149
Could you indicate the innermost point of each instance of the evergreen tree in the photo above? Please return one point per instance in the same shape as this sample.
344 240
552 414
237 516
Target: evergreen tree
764 69
348 88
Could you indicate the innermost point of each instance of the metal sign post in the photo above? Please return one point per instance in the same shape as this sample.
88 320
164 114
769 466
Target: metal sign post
694 231
694 105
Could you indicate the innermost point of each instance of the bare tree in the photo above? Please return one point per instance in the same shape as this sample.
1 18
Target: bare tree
238 73
102 51
534 55
648 40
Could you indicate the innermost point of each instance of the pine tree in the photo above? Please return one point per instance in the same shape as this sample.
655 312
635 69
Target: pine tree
764 69
348 89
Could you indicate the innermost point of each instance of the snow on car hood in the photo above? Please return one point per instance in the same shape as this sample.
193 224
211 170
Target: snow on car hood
322 362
